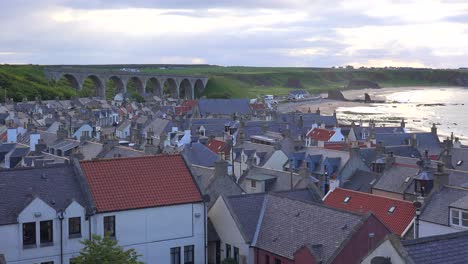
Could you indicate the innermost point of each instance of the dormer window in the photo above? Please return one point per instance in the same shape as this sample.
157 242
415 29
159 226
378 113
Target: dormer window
391 209
346 199
459 217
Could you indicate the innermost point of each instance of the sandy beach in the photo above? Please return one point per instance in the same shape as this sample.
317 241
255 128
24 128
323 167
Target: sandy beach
327 106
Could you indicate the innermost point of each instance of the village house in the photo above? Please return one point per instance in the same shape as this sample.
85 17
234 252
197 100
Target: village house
44 214
288 228
397 215
159 211
449 248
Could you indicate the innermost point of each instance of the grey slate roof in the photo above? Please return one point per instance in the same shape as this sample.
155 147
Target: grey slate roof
199 154
361 181
289 224
221 185
393 139
448 249
460 154
56 185
393 179
246 211
436 209
224 106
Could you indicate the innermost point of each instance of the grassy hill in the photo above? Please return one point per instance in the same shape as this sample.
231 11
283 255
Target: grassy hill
28 81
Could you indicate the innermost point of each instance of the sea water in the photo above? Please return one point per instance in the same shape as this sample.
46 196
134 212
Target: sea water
420 107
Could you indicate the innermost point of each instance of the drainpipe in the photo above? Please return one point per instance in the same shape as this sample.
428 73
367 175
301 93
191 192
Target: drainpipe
60 217
418 205
290 174
205 223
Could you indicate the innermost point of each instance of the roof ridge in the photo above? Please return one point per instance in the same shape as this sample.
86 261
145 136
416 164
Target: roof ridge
371 194
128 158
434 238
260 220
315 203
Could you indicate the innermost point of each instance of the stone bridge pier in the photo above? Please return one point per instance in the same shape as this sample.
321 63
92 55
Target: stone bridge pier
175 86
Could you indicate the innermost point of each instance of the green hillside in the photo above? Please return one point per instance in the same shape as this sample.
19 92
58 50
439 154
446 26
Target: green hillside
28 81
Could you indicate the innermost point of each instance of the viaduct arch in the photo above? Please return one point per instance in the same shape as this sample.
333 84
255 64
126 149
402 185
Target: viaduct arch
177 86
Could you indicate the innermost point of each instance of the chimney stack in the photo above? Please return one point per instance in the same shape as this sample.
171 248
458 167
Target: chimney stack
434 129
221 168
389 160
441 177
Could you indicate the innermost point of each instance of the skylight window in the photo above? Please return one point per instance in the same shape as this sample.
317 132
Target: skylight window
391 209
407 179
373 181
459 163
346 199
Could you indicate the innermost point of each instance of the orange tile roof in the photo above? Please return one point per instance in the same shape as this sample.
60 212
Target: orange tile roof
360 202
140 182
320 134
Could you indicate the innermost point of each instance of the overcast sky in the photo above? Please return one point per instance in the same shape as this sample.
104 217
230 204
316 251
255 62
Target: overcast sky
236 32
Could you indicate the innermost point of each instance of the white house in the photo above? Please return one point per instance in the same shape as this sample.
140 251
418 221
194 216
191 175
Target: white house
445 212
123 130
85 131
151 204
235 238
45 215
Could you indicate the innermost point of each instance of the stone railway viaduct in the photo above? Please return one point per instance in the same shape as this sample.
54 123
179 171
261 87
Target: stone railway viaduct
180 86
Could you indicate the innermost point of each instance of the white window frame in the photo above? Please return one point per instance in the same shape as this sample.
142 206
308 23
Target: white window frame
460 217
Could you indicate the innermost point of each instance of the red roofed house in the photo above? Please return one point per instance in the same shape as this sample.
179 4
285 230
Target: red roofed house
317 136
151 204
220 147
397 215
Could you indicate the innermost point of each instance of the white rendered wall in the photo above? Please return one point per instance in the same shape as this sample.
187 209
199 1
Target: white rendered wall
227 229
153 231
11 243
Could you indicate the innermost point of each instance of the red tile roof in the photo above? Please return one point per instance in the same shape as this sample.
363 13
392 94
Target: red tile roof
320 134
216 145
344 145
179 110
189 103
257 106
140 182
362 203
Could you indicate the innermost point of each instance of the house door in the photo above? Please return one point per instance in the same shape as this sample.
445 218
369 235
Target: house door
218 252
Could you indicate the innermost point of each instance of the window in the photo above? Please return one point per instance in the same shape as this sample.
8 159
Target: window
175 255
74 227
253 184
391 209
277 261
407 179
346 199
29 234
109 226
228 251
455 217
236 254
267 259
459 163
459 217
47 262
47 235
189 255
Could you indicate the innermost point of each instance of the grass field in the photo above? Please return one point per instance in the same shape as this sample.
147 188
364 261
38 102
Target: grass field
28 81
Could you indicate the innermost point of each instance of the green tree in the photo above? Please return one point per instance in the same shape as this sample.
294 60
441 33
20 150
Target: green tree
105 251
